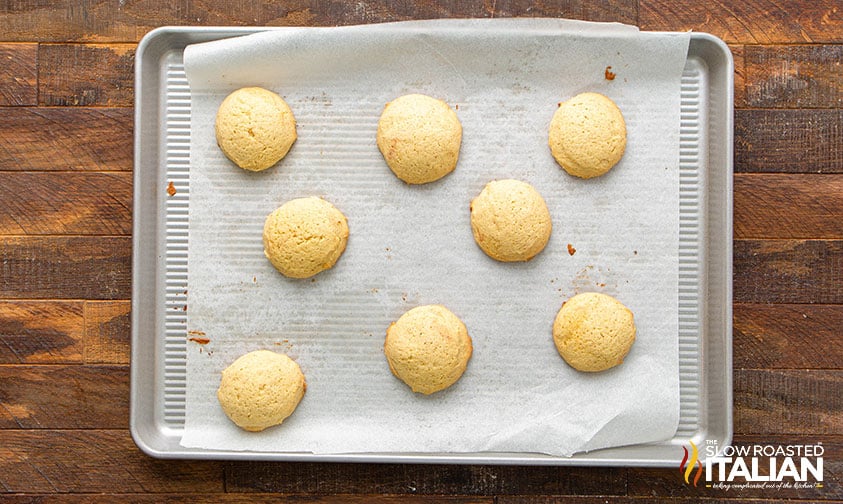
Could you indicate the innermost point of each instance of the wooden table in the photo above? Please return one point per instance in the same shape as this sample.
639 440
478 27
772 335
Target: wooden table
66 91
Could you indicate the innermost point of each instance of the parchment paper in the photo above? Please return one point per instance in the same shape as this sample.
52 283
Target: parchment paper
412 245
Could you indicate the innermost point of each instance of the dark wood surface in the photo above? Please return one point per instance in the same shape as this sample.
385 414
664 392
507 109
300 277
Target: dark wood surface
66 92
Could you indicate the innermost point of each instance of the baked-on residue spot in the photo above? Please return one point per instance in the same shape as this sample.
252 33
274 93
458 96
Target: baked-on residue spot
198 337
171 189
609 74
571 249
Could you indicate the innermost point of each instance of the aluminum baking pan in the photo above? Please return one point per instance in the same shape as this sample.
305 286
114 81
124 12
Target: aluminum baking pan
159 339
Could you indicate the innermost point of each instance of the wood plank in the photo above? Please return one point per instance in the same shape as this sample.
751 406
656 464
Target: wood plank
740 74
563 499
107 332
18 74
227 498
101 21
400 479
794 76
50 332
788 271
804 402
620 11
233 498
789 141
69 138
43 203
76 461
749 21
64 397
788 336
659 484
86 74
83 267
553 499
788 206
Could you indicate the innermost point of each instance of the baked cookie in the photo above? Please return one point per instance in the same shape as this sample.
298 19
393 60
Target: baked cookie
255 128
261 389
304 236
593 331
419 138
587 135
428 348
510 220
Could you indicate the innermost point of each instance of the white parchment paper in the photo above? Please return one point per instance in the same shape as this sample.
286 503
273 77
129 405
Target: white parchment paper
412 245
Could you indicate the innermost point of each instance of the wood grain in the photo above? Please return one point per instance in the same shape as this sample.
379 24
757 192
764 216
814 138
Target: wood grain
18 74
668 483
788 336
251 498
750 21
41 332
740 75
65 267
789 141
795 76
64 309
33 203
50 461
64 397
107 332
520 499
620 11
101 21
788 271
86 74
788 206
69 138
788 402
324 478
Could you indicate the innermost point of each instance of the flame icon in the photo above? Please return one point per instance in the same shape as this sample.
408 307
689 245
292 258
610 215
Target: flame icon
694 461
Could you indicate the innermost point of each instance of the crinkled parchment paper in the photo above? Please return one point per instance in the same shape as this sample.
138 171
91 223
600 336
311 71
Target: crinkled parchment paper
412 245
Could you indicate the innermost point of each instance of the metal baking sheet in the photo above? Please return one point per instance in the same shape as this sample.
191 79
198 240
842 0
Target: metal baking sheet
159 336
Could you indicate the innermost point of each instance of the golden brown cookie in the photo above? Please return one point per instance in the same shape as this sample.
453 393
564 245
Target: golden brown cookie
587 135
304 236
261 389
419 138
255 128
510 221
593 331
428 348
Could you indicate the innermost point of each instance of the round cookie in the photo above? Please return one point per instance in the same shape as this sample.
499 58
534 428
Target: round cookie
593 331
419 138
255 128
261 389
304 236
510 220
587 135
428 348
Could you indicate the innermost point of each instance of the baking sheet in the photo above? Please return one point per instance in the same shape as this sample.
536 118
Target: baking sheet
517 395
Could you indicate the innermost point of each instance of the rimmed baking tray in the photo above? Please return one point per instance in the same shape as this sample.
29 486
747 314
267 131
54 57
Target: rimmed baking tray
159 338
